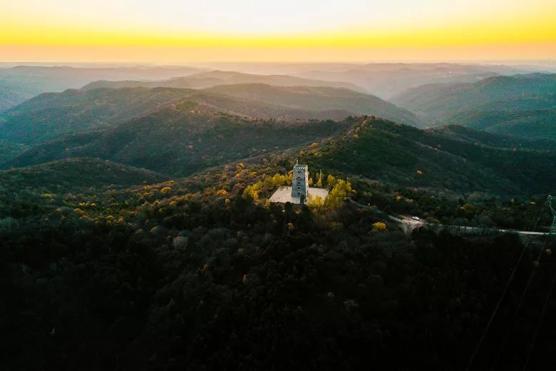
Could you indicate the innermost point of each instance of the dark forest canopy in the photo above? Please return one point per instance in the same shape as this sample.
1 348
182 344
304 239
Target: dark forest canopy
203 274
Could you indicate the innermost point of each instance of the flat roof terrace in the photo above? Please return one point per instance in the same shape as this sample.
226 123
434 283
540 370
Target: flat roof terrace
284 194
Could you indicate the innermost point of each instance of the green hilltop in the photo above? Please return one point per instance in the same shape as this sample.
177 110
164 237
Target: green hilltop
520 105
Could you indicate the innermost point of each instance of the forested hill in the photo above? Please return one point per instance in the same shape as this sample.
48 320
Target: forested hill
186 138
521 105
9 150
440 101
450 158
486 139
528 123
318 99
181 139
77 174
52 114
48 116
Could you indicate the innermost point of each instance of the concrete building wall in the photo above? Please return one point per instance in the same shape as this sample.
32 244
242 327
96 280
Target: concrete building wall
299 192
300 181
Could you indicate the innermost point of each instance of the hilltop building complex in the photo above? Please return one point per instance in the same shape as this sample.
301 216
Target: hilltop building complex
299 192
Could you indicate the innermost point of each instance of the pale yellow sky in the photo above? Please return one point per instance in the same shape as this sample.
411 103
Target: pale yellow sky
171 31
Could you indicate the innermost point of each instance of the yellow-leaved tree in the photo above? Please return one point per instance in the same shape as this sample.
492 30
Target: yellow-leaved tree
319 180
341 190
379 227
315 202
252 191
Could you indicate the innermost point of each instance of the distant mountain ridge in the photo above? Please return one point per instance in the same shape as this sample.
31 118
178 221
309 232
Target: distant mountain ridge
522 105
319 98
440 101
20 83
50 115
10 97
384 80
213 78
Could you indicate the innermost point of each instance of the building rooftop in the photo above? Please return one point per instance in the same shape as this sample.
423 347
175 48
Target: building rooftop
284 194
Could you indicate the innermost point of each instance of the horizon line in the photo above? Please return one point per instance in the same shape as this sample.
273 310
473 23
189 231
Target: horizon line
62 63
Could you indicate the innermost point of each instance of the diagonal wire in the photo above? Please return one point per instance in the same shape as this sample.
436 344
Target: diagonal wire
539 323
506 338
495 311
499 302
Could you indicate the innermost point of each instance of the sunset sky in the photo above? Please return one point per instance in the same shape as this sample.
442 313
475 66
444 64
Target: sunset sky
170 31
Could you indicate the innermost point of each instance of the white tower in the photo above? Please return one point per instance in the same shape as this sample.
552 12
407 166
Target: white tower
300 182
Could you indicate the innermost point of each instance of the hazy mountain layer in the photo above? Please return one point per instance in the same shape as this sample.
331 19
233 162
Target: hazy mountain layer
382 79
387 80
208 79
50 115
318 99
442 103
10 97
20 83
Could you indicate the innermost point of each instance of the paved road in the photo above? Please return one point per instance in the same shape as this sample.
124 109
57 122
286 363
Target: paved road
413 222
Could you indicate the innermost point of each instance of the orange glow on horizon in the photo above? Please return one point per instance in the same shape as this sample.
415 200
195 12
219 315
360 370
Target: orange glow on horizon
476 36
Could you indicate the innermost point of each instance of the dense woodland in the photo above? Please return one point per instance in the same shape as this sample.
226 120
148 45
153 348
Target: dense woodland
205 274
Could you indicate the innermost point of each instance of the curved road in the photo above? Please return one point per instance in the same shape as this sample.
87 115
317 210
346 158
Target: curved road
413 222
